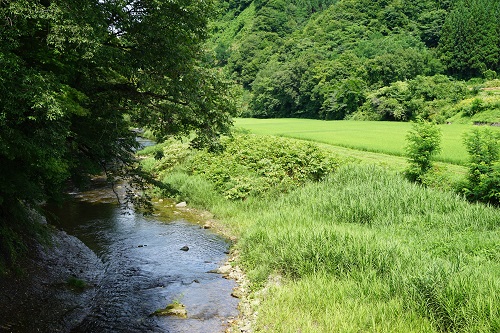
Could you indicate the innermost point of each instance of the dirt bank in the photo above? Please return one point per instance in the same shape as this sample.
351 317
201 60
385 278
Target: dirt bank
54 292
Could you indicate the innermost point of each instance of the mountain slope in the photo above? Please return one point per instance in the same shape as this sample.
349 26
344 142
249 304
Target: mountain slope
327 59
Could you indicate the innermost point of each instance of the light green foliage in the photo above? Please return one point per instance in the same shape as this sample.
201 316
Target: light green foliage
476 106
256 165
423 142
480 105
422 97
162 158
483 184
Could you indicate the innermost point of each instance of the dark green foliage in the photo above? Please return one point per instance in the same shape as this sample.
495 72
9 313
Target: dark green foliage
76 75
431 23
345 99
470 42
483 177
320 59
239 5
297 58
423 142
396 57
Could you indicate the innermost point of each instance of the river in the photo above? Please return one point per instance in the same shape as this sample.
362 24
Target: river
141 269
145 268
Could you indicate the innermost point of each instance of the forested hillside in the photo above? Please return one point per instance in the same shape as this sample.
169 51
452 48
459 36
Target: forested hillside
361 59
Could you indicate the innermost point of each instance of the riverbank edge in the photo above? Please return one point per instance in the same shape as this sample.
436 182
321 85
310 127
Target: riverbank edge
230 269
54 288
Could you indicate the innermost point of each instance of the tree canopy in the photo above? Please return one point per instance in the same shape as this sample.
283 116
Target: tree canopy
323 59
76 75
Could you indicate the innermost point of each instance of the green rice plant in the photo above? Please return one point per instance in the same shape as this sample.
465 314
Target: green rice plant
372 136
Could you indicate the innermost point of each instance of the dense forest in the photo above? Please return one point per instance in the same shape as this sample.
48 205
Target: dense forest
356 59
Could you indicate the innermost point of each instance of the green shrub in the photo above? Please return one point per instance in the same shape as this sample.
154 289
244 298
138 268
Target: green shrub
423 142
163 157
483 178
476 106
250 165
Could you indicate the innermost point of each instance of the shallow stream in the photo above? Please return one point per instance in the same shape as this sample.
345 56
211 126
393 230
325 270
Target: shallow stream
145 268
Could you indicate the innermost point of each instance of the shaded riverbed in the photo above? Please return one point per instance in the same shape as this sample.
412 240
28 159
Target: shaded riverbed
143 269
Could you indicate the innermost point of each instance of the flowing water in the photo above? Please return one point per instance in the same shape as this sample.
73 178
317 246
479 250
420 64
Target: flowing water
145 268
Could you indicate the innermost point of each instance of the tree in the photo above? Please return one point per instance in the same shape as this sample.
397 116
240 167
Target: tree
75 75
470 38
431 23
423 142
346 97
483 177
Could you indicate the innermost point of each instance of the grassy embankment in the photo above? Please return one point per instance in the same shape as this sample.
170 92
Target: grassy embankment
361 250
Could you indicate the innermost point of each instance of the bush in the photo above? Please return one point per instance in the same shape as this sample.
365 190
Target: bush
163 157
483 180
251 164
423 142
476 106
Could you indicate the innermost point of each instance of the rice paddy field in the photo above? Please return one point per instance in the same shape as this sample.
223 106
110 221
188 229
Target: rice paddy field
373 136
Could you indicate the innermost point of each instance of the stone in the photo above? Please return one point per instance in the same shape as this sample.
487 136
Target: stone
174 309
184 248
237 293
181 204
226 269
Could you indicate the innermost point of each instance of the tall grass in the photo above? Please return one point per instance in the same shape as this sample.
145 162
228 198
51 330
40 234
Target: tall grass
373 136
365 250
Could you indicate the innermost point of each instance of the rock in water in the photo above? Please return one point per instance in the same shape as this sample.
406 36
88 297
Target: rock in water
174 309
184 248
